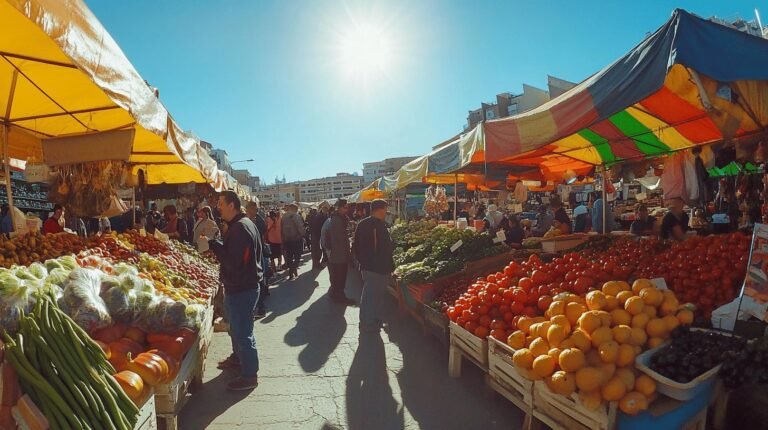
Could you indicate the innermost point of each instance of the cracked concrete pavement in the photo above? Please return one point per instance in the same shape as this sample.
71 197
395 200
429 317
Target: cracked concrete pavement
317 372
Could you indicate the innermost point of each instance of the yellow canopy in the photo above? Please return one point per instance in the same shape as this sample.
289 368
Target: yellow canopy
62 74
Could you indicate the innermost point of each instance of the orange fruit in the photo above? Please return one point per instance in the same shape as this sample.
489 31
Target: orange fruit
611 303
589 321
650 311
556 334
609 351
671 322
626 355
524 324
562 320
641 284
601 335
608 369
516 340
581 340
544 365
633 403
620 316
652 296
562 383
571 359
614 389
555 353
634 305
595 300
557 307
638 337
543 329
605 318
528 340
669 306
568 343
593 358
685 317
622 333
523 358
591 399
656 328
589 378
640 320
534 329
528 374
613 288
573 311
655 342
539 347
627 376
645 385
623 296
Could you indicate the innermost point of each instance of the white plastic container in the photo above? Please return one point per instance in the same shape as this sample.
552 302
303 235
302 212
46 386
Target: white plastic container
674 389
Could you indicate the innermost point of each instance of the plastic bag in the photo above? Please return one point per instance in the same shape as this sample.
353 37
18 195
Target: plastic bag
164 315
16 298
123 294
81 300
68 262
53 264
38 270
58 276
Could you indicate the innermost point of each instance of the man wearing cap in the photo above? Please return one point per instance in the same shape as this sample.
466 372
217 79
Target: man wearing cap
339 256
373 250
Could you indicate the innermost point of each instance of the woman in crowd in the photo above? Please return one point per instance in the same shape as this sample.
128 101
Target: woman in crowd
274 239
175 227
205 228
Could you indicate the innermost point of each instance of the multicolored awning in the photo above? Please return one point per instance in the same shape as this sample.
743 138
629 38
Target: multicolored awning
692 82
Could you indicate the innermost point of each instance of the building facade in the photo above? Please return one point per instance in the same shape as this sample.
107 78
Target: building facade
313 190
377 169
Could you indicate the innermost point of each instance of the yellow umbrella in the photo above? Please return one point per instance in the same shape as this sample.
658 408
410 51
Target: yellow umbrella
62 74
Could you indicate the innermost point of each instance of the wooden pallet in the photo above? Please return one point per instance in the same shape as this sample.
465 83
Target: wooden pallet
567 413
504 377
467 345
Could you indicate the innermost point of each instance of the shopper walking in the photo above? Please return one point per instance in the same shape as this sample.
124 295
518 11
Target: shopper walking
339 255
315 231
240 256
274 240
292 230
205 228
373 249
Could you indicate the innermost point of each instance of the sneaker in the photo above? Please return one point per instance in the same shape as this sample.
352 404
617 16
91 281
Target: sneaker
260 313
243 384
230 362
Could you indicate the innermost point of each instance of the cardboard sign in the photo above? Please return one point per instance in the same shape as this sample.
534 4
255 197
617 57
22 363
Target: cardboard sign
756 282
456 245
660 283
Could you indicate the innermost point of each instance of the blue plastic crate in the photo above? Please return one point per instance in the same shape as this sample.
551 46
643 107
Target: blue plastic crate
680 413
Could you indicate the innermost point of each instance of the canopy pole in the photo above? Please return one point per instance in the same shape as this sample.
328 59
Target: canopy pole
455 197
133 207
604 208
6 157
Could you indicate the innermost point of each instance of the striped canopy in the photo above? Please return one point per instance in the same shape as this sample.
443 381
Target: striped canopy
692 82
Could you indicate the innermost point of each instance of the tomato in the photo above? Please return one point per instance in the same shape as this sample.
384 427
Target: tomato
544 302
481 332
483 309
517 308
498 324
499 334
531 311
526 284
509 317
539 277
519 295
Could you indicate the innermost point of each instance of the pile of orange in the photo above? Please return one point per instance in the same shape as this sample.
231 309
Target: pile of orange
587 345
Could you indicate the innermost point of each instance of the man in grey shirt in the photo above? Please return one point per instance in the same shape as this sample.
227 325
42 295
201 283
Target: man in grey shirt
339 255
292 230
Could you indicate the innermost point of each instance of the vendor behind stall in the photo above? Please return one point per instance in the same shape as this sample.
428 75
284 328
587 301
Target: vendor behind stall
544 221
513 231
643 225
581 219
675 222
562 221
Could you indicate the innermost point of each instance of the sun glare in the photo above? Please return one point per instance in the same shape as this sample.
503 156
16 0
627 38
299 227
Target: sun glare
365 52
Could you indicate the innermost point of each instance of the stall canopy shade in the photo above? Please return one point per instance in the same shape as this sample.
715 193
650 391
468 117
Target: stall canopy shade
62 74
691 82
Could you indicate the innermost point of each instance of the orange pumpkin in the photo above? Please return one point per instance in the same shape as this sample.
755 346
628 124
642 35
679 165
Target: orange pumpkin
131 383
145 366
108 334
174 347
136 335
165 368
172 364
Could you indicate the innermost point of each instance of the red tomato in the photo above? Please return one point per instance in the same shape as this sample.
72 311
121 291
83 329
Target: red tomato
539 277
544 302
526 284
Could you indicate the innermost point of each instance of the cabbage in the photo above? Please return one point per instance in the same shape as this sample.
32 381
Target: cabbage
81 300
53 264
123 268
16 299
68 262
38 270
23 273
57 276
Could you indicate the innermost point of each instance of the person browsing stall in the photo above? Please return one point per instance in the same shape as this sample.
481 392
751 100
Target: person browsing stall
643 225
53 224
674 225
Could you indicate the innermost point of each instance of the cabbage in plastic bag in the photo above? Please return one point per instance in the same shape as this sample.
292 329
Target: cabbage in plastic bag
81 300
53 264
123 268
16 299
58 276
68 262
38 270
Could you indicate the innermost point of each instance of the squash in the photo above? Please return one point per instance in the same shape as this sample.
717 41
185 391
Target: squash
174 347
109 334
131 383
136 335
119 351
165 369
145 366
172 363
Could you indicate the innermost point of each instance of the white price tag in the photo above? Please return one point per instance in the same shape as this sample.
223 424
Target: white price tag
641 196
456 245
501 236
497 240
186 258
660 283
142 232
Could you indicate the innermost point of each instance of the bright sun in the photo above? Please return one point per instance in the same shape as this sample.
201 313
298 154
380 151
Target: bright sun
365 52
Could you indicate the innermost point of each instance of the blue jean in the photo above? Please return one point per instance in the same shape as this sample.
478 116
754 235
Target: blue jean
239 308
292 251
373 299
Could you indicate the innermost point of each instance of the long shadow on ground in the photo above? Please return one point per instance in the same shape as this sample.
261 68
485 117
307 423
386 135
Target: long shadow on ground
289 295
320 328
208 408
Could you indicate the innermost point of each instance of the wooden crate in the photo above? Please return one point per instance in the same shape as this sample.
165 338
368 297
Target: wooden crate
436 324
567 413
467 345
206 332
170 398
147 415
504 377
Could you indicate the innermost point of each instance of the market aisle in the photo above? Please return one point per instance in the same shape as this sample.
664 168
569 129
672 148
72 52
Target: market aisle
316 374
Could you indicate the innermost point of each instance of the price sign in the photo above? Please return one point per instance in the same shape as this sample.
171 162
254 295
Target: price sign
456 245
660 283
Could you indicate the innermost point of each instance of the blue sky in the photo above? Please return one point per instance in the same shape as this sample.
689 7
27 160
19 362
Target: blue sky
264 79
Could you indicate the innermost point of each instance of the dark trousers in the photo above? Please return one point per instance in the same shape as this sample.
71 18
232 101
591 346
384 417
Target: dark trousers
317 253
338 275
292 252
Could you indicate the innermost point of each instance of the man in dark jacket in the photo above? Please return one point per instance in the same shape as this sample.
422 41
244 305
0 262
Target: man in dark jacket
240 256
373 250
315 230
339 256
252 210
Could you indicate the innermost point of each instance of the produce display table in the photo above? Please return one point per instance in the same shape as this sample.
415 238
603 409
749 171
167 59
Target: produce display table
466 345
147 415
